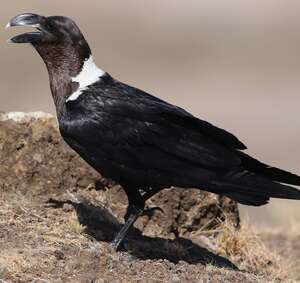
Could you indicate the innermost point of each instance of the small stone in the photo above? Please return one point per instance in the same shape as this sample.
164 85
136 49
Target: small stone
38 157
59 255
3 271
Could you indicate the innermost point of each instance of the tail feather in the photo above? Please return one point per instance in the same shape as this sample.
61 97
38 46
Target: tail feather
273 173
251 189
248 199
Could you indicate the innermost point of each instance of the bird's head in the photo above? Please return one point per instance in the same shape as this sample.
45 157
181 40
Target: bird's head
58 40
64 50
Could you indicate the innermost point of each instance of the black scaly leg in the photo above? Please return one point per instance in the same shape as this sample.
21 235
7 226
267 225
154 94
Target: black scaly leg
132 217
134 210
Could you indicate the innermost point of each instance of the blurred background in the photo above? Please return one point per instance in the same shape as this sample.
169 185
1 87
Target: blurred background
233 63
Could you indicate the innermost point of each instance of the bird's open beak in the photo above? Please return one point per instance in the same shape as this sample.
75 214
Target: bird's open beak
28 20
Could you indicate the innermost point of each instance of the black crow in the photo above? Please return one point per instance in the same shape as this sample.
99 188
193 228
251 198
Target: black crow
136 139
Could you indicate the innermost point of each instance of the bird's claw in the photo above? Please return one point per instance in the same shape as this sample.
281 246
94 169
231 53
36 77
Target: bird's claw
113 245
53 203
151 210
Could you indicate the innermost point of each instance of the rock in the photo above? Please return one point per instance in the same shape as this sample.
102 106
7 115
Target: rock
188 211
37 162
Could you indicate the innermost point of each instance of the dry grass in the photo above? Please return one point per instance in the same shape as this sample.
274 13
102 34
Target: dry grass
75 226
246 249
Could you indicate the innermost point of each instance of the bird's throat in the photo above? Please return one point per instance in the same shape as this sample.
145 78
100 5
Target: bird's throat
63 62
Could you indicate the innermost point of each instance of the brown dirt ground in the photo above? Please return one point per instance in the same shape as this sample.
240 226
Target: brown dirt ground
42 243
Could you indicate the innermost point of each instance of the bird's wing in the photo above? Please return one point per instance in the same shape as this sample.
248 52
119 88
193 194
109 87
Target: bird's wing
173 114
180 116
137 122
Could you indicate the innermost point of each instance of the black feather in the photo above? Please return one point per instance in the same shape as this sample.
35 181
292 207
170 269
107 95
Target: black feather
267 171
250 184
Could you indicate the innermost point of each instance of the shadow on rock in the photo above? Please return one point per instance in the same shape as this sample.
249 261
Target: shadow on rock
103 226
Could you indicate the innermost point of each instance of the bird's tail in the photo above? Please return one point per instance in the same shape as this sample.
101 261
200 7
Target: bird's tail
258 183
264 170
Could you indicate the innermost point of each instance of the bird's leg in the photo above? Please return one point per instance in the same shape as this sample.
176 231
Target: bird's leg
133 212
136 204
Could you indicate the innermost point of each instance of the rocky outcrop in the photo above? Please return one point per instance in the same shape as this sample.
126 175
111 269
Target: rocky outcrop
35 161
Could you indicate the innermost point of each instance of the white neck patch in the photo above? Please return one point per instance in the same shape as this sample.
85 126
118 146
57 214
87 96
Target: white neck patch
89 74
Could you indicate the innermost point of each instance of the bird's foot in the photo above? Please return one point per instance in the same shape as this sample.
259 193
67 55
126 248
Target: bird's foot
129 220
151 211
114 244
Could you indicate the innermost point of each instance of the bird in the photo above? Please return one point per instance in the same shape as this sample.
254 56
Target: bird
139 140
